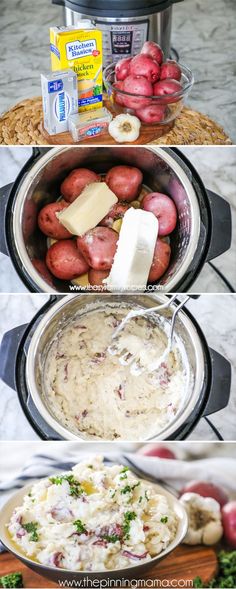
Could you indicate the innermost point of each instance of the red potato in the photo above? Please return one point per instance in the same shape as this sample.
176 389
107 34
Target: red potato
96 277
161 260
166 88
163 207
229 522
122 68
137 85
153 113
116 212
119 97
125 182
143 65
170 69
29 222
157 450
153 50
75 183
206 489
41 268
50 224
98 247
65 261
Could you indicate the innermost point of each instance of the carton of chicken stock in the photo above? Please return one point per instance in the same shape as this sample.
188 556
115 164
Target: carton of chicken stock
80 49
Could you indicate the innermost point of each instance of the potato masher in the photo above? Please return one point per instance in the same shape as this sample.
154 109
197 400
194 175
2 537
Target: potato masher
126 357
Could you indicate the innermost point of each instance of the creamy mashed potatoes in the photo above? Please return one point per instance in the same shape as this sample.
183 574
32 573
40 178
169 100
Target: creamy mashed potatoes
88 390
94 518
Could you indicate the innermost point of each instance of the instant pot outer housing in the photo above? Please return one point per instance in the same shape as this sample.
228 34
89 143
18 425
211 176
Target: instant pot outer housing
125 24
22 354
60 575
204 219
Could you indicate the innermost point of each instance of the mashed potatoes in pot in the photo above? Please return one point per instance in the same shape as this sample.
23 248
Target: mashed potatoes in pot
94 518
88 390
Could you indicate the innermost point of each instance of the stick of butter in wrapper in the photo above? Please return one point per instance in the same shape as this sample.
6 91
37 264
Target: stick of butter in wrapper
60 99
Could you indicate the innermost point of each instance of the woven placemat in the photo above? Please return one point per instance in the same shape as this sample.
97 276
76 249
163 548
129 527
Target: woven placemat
21 126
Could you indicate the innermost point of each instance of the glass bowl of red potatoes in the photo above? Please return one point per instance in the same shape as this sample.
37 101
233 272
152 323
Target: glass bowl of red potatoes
147 86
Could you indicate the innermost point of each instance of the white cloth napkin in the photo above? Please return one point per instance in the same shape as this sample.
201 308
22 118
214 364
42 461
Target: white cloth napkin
173 473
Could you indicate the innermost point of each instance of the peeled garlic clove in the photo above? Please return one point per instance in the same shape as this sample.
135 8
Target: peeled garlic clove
124 128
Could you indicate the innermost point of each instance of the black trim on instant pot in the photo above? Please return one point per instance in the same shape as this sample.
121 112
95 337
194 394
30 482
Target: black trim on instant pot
116 8
32 414
205 221
43 429
5 192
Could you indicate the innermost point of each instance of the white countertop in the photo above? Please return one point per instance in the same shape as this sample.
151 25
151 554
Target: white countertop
214 314
203 33
217 168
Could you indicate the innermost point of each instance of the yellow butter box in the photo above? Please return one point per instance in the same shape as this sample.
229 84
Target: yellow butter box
80 49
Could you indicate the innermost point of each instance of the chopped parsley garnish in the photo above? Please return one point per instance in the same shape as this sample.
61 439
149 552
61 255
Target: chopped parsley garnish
164 519
113 538
56 480
123 472
140 499
80 528
128 517
146 496
128 488
90 466
75 486
31 528
113 494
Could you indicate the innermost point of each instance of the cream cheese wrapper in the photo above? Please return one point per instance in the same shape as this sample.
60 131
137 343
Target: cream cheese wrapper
134 254
88 209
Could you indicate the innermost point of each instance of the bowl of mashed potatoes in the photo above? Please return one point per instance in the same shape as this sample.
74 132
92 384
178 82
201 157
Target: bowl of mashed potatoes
98 520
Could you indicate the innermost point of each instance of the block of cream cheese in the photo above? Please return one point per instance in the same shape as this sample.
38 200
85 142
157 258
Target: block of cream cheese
88 209
135 251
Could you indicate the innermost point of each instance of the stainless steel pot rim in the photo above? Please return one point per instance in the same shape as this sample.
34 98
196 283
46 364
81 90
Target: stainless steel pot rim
177 506
39 165
65 433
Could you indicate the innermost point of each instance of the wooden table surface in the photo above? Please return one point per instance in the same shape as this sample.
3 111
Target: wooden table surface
185 563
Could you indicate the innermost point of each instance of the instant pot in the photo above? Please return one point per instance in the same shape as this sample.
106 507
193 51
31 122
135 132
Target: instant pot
23 351
125 24
203 231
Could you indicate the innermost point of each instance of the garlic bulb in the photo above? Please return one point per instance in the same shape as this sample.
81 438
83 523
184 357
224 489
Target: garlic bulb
204 517
124 128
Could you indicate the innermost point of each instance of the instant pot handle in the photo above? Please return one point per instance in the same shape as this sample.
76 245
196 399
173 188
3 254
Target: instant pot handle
39 151
4 196
12 340
220 383
221 222
8 352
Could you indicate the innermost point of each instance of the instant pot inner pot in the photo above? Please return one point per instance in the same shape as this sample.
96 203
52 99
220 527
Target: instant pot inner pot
42 186
65 312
